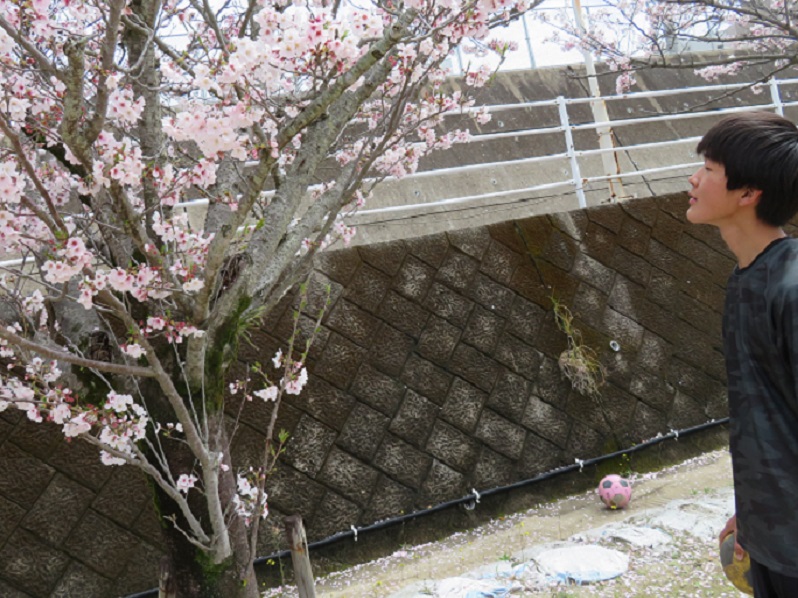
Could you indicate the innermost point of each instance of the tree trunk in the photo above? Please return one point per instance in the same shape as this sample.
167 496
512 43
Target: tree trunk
193 575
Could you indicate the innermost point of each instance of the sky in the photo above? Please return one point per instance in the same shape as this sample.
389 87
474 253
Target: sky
534 38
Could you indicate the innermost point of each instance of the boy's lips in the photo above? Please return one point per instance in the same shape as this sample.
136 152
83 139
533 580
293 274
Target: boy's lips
692 199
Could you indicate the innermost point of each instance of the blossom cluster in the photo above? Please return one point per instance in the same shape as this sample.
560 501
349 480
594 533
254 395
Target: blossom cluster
119 423
174 331
245 501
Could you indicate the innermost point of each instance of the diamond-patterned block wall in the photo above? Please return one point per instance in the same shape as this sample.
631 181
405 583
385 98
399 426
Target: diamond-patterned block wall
70 526
436 369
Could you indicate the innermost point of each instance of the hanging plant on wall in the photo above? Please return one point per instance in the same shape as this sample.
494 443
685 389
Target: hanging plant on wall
579 363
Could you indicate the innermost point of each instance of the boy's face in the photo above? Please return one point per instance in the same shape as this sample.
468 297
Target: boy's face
710 201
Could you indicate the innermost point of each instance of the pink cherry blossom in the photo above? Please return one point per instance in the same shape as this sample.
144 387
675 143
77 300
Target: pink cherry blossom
295 380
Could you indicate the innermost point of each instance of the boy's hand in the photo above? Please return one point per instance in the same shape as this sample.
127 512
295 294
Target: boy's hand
731 528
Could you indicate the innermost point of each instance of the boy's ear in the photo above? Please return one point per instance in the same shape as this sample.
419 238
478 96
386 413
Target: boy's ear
750 196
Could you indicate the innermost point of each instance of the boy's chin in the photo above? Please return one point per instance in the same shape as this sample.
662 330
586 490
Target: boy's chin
694 216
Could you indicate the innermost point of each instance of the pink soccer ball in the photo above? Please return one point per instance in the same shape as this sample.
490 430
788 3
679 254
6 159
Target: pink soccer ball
615 492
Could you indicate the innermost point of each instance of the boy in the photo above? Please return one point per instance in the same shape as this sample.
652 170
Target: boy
748 188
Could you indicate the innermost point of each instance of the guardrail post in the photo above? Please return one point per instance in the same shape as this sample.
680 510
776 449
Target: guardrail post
775 96
576 174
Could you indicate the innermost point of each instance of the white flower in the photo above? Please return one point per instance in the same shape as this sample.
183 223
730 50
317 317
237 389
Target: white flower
118 402
193 285
267 394
77 425
133 349
60 413
295 385
109 459
186 482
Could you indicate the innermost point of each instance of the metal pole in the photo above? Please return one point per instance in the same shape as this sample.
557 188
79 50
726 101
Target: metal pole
569 149
775 96
599 108
532 64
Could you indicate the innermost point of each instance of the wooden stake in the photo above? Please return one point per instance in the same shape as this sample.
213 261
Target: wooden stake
303 575
167 588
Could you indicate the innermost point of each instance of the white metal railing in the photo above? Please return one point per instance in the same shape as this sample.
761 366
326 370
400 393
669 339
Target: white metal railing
572 158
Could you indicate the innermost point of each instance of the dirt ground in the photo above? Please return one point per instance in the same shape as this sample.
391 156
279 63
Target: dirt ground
688 566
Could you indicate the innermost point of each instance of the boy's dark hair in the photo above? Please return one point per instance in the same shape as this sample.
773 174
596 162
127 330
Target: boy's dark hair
758 150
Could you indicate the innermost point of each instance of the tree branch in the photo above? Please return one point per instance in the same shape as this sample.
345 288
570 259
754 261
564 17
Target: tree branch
44 64
74 101
49 353
193 438
95 125
55 224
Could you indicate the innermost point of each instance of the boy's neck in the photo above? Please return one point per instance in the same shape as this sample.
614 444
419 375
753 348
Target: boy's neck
747 242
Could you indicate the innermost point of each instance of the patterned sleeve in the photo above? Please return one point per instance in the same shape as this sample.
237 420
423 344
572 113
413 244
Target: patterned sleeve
786 320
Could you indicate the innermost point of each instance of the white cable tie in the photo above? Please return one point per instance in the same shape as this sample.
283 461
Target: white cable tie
476 494
354 531
581 464
675 434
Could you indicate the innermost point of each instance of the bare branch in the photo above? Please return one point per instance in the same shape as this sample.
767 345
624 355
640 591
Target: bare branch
195 441
247 18
180 61
50 353
210 19
95 124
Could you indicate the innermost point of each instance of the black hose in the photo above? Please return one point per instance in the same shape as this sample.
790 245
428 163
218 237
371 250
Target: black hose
472 497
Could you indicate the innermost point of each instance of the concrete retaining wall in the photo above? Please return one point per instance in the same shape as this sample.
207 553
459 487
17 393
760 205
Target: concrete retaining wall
436 370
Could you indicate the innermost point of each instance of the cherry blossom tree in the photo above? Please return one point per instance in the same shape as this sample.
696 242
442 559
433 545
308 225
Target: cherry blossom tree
168 169
628 35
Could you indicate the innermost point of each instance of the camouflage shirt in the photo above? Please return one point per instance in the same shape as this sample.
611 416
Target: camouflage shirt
760 337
